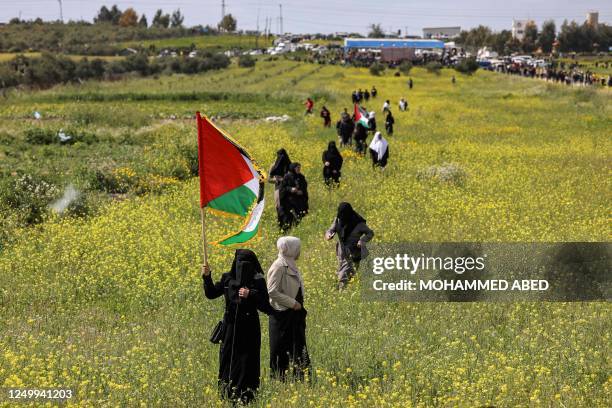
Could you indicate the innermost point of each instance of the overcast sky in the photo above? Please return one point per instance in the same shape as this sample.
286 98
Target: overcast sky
328 16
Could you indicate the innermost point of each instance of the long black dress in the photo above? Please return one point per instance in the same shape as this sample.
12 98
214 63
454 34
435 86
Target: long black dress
239 356
294 204
288 342
277 172
346 130
360 138
334 158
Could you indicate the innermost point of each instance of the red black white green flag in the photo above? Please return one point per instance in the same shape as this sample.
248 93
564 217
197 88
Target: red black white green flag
361 116
230 181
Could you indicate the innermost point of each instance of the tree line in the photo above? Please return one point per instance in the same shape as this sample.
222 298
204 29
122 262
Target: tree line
50 69
572 37
129 18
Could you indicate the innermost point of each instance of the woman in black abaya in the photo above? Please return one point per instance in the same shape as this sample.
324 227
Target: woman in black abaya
277 172
293 195
245 292
332 164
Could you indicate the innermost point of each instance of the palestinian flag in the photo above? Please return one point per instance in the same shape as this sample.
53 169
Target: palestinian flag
230 182
361 116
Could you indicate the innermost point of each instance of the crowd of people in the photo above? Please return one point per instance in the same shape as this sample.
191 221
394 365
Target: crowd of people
280 293
562 74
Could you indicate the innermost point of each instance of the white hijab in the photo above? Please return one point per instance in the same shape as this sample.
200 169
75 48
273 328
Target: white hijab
288 252
379 144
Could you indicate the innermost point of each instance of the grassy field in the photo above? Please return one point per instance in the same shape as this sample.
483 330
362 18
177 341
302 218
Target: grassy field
207 42
111 305
6 56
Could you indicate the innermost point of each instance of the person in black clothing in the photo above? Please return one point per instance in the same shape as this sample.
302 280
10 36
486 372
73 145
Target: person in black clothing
389 122
293 196
277 173
372 121
245 292
366 95
360 137
326 115
332 164
410 83
346 126
374 92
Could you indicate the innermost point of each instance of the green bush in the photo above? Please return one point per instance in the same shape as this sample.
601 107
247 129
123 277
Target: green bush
433 67
377 69
467 66
405 67
29 196
246 61
40 136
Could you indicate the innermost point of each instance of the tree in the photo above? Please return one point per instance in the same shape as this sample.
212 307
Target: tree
570 36
499 41
143 21
115 14
160 19
530 37
103 16
547 36
129 18
376 31
228 23
177 18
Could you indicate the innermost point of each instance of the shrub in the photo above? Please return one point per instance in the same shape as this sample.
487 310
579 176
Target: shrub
29 196
450 173
433 67
40 136
405 67
467 66
246 61
377 68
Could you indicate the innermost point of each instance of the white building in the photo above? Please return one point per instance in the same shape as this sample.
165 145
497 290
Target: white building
441 32
518 28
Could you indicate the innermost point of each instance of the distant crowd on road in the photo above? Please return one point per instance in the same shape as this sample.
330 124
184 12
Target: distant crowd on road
569 75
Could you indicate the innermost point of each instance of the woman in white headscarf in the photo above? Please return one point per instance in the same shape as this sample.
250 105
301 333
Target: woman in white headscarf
288 326
379 151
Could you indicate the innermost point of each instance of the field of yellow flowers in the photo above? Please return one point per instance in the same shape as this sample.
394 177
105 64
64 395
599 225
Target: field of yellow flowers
111 305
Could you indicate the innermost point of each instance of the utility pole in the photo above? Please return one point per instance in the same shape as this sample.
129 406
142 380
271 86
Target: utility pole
280 7
257 35
61 11
222 9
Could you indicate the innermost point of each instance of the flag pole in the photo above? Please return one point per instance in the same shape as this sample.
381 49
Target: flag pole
205 252
202 209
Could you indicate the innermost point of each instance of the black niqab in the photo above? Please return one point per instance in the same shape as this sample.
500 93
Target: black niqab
244 268
332 155
281 166
348 219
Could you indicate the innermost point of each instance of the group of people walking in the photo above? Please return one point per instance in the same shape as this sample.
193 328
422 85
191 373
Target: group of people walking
358 95
280 295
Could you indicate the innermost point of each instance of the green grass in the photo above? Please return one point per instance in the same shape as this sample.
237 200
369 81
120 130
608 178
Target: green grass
6 56
111 305
206 42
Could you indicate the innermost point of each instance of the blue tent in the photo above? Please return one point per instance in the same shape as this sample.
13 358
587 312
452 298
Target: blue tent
390 43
